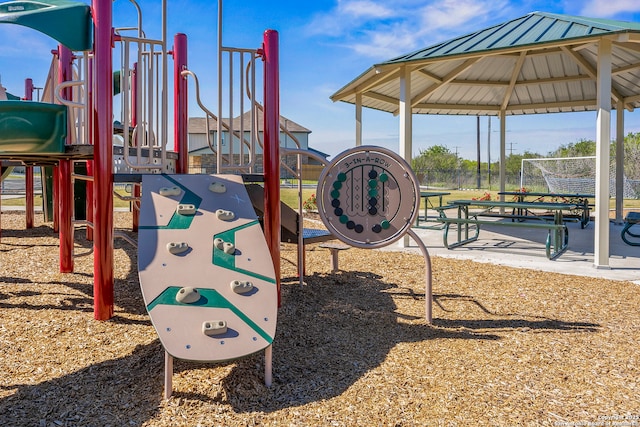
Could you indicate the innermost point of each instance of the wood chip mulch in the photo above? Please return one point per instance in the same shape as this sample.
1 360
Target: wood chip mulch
508 347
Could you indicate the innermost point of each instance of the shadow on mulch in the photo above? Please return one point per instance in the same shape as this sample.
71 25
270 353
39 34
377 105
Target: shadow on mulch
331 332
100 395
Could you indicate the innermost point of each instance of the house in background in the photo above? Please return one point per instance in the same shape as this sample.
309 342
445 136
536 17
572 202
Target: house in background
203 160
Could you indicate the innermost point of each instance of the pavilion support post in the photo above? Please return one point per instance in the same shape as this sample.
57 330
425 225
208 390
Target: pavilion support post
619 161
603 136
406 132
358 119
503 152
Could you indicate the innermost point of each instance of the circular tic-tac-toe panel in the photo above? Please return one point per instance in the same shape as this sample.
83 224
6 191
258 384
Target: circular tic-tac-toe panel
368 197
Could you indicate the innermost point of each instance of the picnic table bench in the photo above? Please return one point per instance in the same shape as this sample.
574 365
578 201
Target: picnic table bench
632 218
426 195
582 213
468 222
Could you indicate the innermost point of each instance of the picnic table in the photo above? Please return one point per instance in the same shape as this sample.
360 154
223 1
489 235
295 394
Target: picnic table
468 221
426 195
582 213
629 237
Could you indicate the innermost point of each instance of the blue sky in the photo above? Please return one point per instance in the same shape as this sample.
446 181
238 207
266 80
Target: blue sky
324 44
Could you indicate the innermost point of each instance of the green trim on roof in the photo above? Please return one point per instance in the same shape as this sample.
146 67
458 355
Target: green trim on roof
68 22
609 24
536 28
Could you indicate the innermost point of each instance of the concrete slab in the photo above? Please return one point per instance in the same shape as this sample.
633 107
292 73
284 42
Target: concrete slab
524 248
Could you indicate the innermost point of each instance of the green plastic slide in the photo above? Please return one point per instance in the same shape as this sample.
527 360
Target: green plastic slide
32 127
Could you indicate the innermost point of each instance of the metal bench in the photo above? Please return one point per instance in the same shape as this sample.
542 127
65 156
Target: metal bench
468 223
632 218
581 214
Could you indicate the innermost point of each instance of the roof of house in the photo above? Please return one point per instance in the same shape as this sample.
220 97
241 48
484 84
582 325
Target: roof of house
197 125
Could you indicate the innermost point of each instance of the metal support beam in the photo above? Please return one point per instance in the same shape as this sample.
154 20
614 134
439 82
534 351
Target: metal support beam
358 119
272 149
65 185
180 97
102 112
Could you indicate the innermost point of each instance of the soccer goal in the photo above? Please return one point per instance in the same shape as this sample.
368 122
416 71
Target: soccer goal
567 175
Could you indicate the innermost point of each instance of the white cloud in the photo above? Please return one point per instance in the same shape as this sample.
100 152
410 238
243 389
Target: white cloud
609 8
386 44
21 41
382 29
364 9
455 13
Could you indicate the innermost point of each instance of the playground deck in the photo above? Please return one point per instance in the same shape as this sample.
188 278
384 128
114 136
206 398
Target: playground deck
351 348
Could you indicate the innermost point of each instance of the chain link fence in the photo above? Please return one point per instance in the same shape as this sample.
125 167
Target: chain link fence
461 179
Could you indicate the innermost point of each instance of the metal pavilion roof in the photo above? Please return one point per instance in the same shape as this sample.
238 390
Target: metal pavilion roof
539 63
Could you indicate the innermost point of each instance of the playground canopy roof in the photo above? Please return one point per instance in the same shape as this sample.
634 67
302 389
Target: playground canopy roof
66 21
12 97
538 63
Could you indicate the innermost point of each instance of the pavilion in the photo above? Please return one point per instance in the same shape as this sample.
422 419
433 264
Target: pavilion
539 63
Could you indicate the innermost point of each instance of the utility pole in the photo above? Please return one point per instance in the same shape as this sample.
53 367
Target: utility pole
511 144
457 167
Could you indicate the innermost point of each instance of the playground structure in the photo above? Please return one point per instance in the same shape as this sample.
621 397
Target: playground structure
75 126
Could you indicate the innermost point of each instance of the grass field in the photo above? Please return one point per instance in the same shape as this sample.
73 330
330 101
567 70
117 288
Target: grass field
290 197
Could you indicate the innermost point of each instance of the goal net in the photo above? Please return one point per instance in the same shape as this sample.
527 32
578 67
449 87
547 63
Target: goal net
567 175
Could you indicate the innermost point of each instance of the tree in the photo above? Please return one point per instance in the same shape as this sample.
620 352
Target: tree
582 148
513 162
632 155
436 158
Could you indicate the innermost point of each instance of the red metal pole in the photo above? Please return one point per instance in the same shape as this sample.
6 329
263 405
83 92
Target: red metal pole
272 149
28 172
54 200
65 191
89 193
89 199
103 161
180 114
